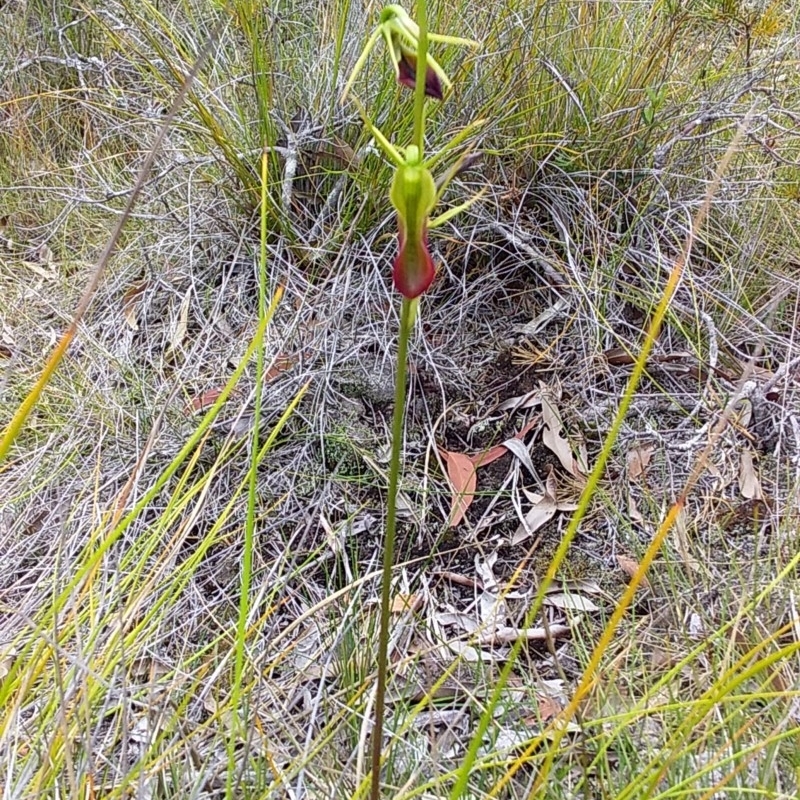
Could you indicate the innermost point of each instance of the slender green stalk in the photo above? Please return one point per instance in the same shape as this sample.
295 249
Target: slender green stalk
407 314
422 68
249 528
343 13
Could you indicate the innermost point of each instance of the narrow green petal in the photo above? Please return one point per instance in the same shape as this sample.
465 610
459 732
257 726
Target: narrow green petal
456 40
452 212
362 59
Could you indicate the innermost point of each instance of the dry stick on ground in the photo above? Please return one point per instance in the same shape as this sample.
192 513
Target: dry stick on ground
27 405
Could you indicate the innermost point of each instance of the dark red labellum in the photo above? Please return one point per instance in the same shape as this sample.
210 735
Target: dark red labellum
407 67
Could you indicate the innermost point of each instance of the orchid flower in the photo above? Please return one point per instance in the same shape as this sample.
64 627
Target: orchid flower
413 195
401 35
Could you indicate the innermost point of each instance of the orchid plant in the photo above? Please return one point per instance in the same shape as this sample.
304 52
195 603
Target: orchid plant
414 194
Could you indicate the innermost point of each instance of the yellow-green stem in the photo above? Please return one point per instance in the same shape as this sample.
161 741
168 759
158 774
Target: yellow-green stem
407 314
249 528
422 71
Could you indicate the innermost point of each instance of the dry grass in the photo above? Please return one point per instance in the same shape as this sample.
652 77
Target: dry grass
121 547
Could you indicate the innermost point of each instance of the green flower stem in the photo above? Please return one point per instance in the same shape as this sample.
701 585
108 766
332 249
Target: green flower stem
407 315
422 67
